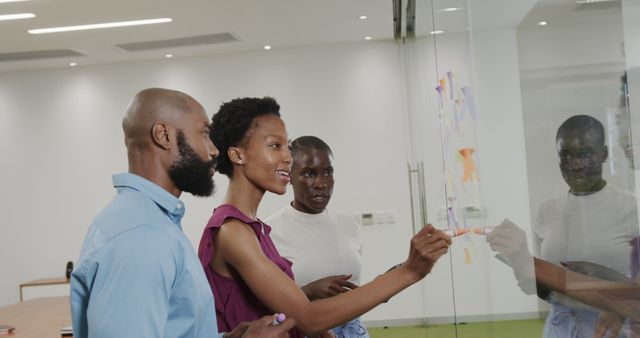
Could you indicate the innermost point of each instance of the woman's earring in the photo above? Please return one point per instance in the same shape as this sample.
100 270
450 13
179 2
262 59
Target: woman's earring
240 162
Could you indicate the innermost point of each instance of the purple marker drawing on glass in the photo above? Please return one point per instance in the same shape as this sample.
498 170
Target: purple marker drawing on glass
470 102
450 75
452 217
457 119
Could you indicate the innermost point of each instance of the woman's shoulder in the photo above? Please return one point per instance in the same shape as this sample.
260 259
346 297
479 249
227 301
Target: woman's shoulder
226 212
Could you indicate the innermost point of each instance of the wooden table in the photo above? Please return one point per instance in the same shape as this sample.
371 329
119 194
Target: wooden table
37 318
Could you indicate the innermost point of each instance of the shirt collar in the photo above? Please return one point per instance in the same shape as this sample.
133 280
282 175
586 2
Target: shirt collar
171 204
306 216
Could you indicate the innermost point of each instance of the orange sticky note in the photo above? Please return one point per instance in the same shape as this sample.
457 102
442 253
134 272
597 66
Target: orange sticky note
467 256
469 167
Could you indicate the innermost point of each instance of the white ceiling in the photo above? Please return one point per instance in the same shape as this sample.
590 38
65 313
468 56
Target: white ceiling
279 23
569 12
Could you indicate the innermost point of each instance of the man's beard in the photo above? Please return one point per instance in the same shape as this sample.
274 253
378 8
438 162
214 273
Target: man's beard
190 173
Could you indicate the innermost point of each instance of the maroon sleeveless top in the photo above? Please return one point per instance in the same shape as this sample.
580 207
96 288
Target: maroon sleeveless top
235 302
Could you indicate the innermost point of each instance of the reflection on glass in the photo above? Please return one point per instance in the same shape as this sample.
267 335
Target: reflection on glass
552 112
588 230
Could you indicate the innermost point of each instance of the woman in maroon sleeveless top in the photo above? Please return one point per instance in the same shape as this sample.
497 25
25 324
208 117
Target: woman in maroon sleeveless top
248 277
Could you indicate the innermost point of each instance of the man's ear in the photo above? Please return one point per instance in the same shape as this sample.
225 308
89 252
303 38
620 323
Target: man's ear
160 135
606 153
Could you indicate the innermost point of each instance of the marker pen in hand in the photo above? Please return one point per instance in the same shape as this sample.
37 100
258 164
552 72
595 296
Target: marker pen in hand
482 230
454 232
279 319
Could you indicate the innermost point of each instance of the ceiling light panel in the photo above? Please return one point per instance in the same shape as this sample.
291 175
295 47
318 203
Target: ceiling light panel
99 26
594 1
17 16
451 9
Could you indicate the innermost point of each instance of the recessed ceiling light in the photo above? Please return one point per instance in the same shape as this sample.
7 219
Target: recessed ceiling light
4 1
580 2
72 64
436 32
452 9
17 16
267 47
168 56
363 17
99 26
367 38
542 23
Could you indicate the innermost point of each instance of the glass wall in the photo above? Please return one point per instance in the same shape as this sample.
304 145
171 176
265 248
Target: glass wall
522 123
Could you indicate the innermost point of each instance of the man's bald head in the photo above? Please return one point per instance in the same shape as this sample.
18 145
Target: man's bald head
167 137
150 106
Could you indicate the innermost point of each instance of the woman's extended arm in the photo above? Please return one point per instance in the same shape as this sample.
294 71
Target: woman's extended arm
237 245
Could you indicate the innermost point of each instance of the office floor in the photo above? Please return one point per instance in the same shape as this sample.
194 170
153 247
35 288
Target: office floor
498 329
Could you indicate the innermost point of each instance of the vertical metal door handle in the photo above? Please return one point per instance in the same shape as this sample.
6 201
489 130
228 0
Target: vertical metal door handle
423 194
413 217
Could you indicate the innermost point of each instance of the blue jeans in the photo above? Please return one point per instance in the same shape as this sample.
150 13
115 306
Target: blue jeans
566 322
352 329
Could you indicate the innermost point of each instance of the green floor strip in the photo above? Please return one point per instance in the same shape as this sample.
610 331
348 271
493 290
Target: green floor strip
498 329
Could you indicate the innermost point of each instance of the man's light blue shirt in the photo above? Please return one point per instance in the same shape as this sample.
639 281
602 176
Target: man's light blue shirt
138 275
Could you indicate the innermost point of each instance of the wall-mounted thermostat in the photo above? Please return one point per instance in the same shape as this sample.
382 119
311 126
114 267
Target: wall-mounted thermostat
366 218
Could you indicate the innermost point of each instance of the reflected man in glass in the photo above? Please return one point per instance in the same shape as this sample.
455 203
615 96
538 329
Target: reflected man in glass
588 230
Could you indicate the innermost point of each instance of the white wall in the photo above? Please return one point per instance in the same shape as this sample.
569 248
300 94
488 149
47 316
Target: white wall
569 44
61 140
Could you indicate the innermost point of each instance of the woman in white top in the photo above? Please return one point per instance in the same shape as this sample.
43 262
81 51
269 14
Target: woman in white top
324 247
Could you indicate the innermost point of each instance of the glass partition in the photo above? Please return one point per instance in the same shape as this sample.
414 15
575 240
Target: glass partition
523 111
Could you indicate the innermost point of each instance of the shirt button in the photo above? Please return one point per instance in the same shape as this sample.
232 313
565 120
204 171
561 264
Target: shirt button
179 206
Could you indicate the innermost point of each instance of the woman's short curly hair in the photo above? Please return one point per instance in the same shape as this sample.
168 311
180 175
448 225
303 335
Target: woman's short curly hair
230 124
